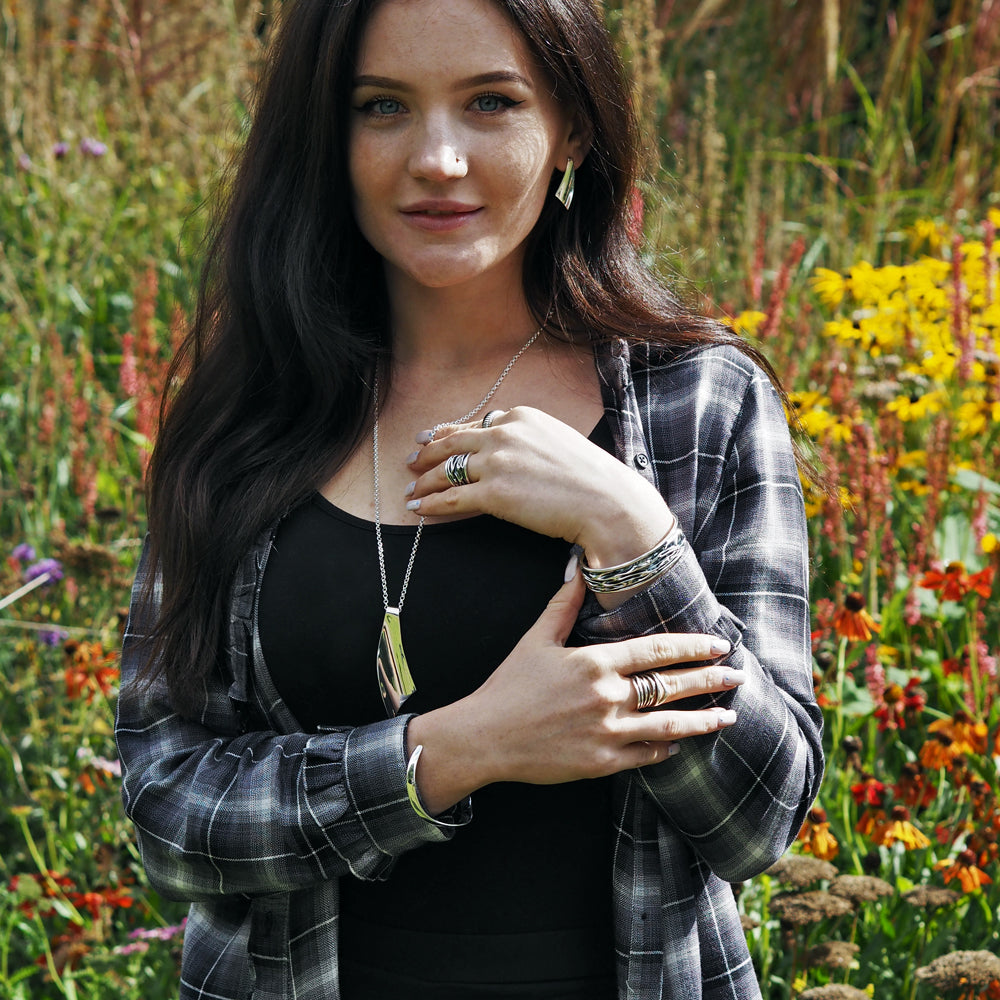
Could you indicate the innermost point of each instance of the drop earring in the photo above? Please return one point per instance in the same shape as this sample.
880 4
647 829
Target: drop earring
567 185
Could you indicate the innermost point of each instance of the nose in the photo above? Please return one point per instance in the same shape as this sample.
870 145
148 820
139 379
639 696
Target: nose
437 154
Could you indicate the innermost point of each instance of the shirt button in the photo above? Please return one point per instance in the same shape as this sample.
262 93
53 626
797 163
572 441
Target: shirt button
641 460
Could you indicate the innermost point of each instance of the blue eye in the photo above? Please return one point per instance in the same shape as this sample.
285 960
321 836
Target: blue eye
383 107
491 103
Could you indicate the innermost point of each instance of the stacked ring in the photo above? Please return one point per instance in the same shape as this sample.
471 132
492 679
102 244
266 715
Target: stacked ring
650 690
491 416
456 470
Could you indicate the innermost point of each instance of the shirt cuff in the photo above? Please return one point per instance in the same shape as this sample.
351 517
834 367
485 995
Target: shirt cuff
679 601
375 763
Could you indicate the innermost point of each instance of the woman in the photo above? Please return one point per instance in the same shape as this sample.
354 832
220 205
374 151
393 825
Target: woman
413 309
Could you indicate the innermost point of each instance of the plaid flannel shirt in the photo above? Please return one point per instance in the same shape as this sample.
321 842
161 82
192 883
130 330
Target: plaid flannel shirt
256 822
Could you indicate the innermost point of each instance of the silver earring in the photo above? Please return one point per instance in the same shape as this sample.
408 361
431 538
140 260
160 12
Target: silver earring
567 185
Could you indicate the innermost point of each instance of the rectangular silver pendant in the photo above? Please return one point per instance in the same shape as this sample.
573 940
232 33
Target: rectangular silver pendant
394 680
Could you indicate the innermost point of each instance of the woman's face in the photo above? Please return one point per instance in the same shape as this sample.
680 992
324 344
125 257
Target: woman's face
454 139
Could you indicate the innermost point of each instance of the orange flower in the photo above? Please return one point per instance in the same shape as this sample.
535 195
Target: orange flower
964 869
90 670
992 992
899 828
870 821
853 622
816 837
954 583
913 789
967 737
937 752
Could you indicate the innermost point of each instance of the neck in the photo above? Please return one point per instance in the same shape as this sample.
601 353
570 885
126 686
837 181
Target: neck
457 328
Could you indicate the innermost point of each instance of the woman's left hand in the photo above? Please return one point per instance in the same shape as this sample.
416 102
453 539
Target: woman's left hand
533 470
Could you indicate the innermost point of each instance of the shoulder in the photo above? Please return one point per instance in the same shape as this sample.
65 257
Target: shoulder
715 385
723 365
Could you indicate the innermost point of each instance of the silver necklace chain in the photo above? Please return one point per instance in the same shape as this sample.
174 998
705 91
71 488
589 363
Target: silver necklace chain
375 461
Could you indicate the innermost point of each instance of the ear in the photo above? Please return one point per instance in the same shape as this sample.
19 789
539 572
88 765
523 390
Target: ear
577 142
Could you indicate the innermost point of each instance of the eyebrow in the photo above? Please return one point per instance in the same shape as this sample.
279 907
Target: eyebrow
481 79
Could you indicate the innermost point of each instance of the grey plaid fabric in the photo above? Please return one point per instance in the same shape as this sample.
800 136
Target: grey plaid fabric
255 822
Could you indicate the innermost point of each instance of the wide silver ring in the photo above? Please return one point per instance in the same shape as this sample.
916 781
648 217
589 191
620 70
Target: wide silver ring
491 416
456 470
650 690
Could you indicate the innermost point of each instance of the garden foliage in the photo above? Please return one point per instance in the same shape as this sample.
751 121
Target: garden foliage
827 171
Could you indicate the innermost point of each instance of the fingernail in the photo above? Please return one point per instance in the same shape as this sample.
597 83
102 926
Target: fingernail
570 568
727 717
673 750
408 492
413 505
720 646
425 437
734 678
412 457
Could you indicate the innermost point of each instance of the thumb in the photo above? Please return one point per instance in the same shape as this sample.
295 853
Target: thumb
557 620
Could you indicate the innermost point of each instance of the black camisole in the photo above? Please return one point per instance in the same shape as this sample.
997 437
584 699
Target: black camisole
518 903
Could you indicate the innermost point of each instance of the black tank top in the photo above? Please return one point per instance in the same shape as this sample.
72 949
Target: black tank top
519 901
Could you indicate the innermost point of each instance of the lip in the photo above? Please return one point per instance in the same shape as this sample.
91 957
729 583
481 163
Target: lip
439 215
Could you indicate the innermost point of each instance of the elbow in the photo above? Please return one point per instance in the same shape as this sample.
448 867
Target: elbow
777 825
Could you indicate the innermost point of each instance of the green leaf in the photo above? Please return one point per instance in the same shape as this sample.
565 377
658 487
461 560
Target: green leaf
975 482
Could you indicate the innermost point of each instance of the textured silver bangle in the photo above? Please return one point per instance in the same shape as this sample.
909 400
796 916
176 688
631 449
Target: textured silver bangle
414 796
640 571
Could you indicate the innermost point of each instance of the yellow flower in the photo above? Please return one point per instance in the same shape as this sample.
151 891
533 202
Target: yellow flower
989 543
843 330
815 422
925 232
841 431
994 216
747 322
829 286
908 410
899 829
848 500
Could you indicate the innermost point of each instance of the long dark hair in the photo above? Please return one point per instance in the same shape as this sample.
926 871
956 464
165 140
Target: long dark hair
275 374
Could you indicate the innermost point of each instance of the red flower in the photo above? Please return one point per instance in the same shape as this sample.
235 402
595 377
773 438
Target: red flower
869 791
913 788
954 583
94 902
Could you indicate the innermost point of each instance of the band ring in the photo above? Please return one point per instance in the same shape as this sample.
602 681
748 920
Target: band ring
491 416
456 470
650 690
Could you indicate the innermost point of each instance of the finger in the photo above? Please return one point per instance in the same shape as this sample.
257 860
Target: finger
557 620
647 652
648 752
683 682
668 725
460 439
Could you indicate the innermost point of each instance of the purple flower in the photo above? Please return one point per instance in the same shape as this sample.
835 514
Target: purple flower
23 552
60 149
158 933
24 162
92 147
52 636
131 949
51 566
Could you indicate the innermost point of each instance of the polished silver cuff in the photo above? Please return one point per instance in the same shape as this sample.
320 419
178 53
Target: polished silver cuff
414 796
638 572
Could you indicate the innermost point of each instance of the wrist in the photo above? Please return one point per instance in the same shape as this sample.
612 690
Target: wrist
452 763
637 520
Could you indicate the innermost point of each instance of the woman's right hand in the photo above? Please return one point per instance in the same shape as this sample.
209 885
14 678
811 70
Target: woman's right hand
551 713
